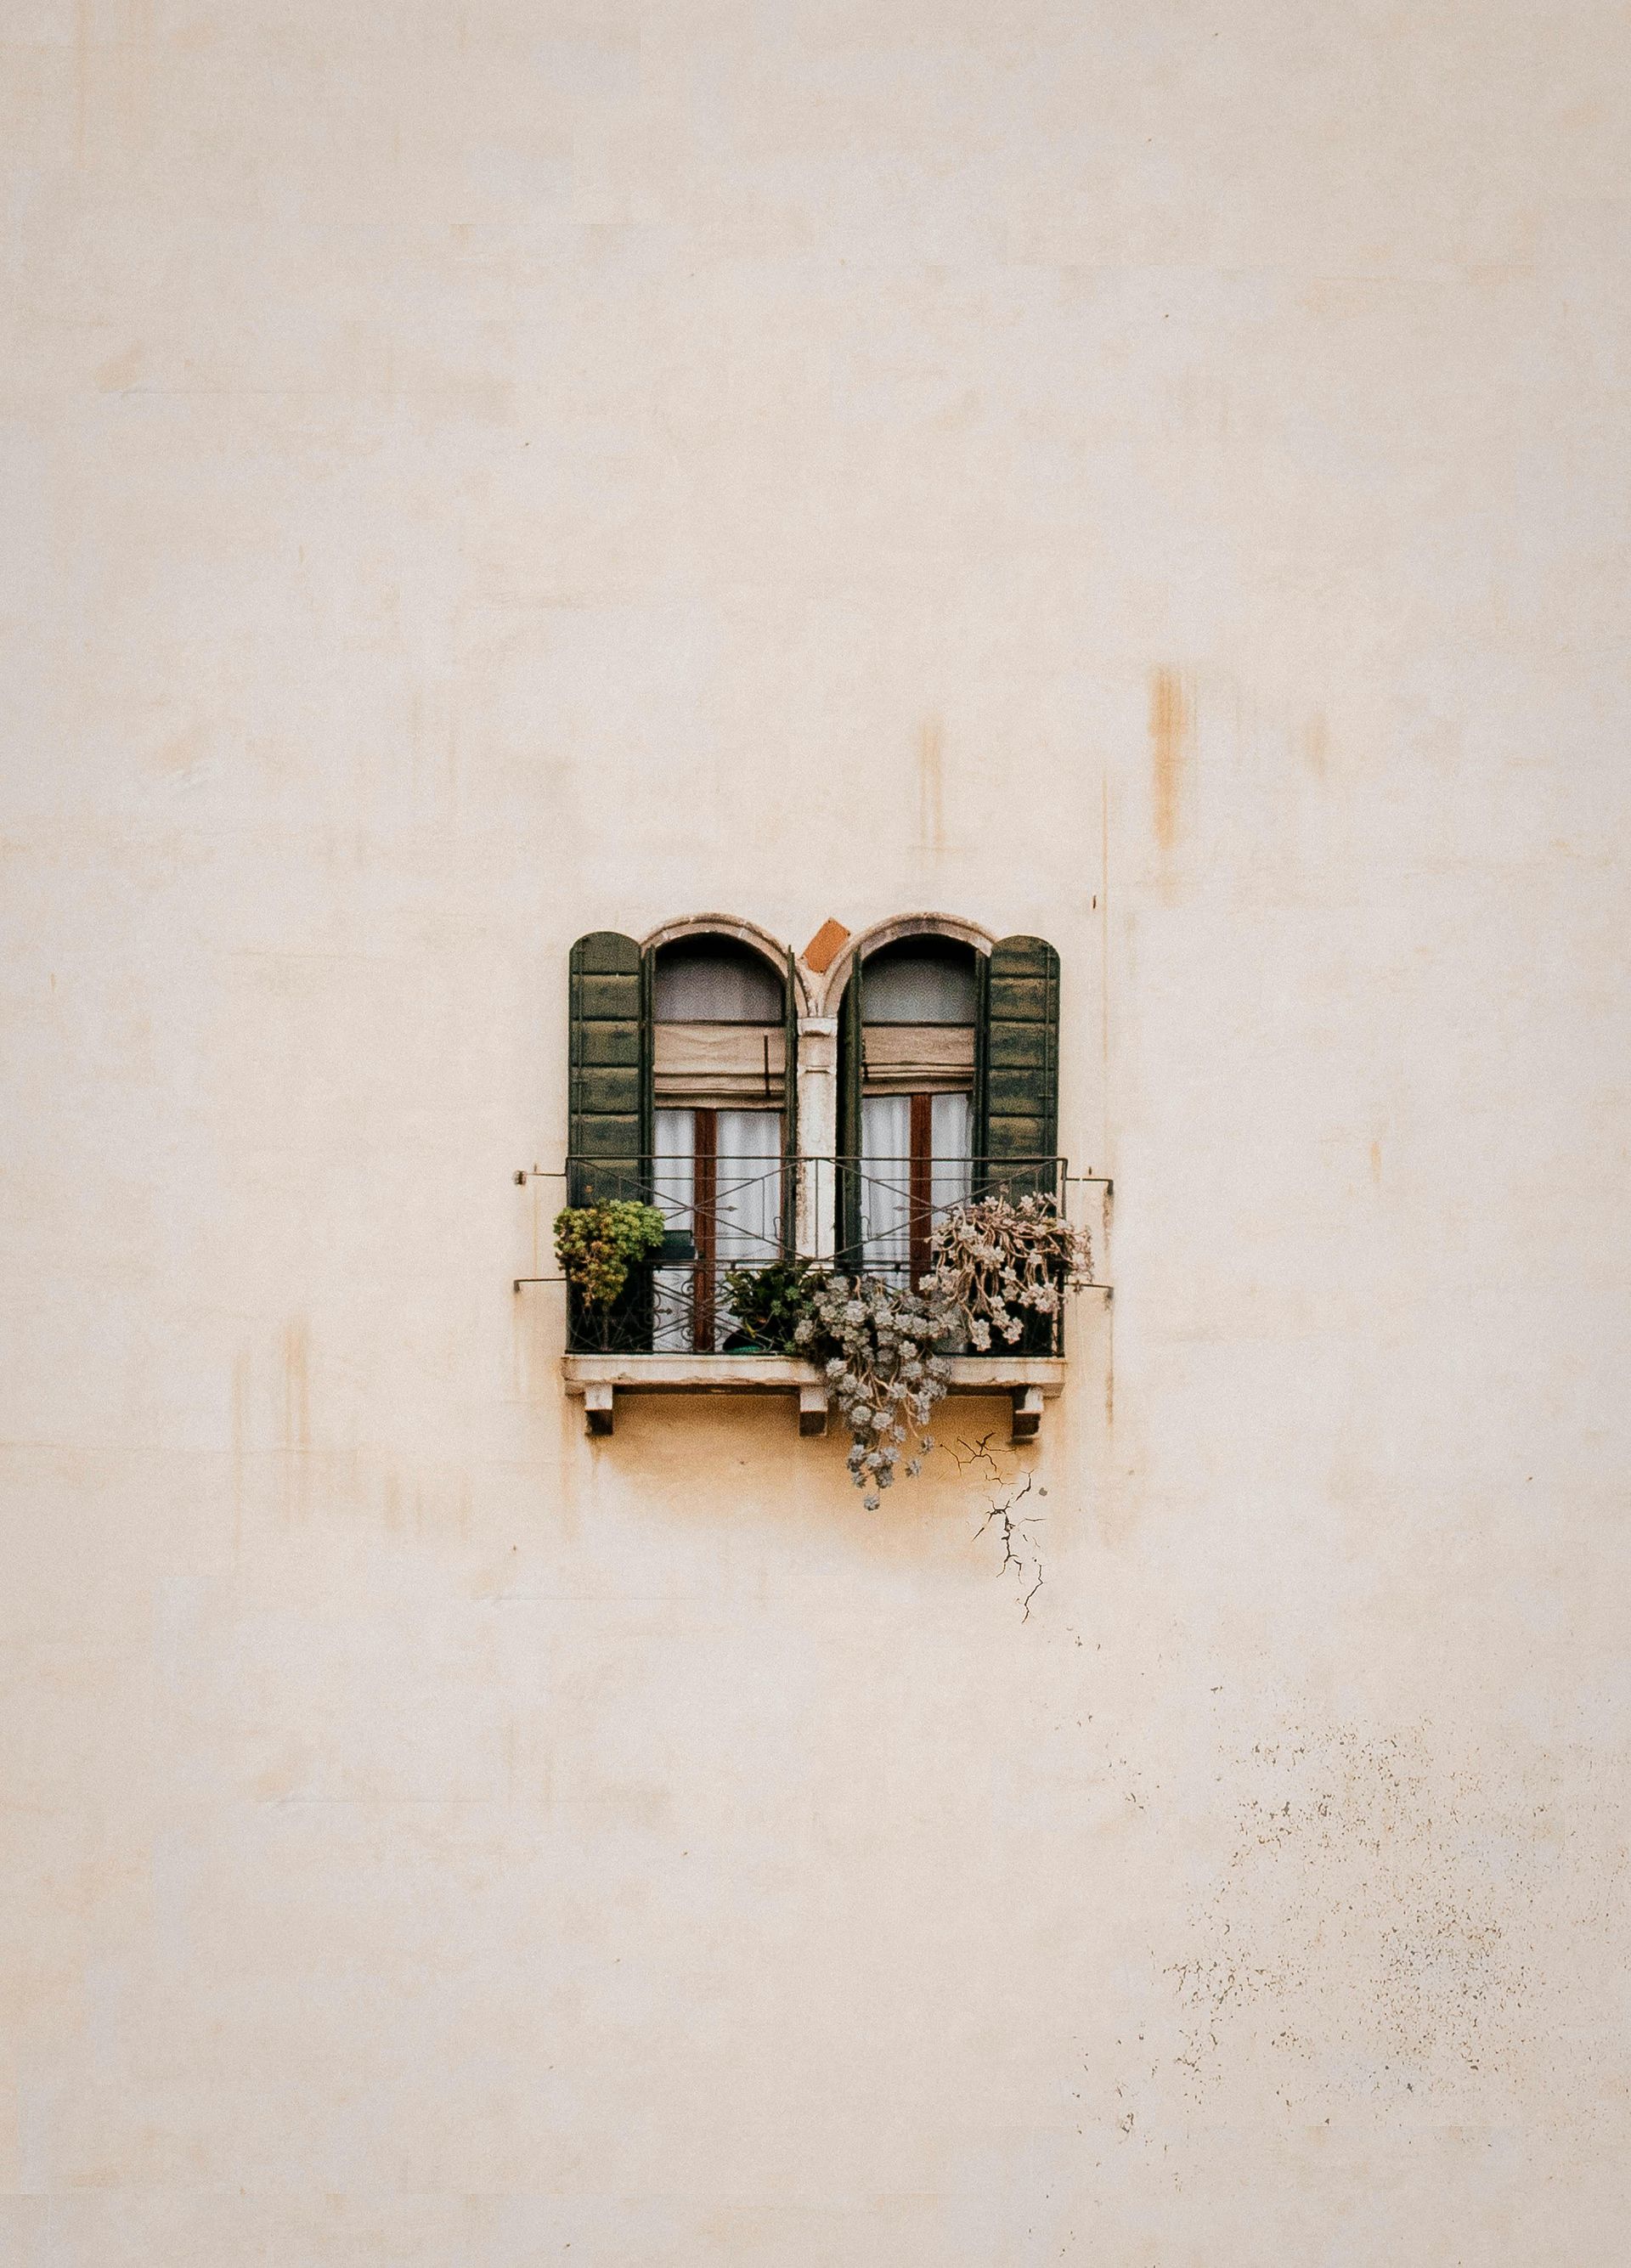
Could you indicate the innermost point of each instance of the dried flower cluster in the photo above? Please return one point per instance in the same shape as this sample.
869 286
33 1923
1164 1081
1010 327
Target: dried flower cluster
884 1373
997 1260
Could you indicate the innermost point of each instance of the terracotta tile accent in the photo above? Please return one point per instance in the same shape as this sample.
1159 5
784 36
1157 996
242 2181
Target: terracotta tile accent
825 947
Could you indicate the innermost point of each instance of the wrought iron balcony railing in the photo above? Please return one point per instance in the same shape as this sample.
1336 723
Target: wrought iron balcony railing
872 1216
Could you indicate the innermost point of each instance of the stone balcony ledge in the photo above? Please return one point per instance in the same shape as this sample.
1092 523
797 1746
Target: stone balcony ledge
1029 1381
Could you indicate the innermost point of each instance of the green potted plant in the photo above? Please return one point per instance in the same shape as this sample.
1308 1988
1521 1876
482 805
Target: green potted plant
597 1245
769 1303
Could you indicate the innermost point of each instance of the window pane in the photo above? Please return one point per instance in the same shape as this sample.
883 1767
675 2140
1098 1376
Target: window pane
919 981
673 1194
952 1136
715 980
749 1187
674 1166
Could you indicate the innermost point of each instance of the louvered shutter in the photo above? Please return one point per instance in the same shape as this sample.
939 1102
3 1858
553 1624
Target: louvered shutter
790 1114
851 1034
982 1025
607 1094
1020 1055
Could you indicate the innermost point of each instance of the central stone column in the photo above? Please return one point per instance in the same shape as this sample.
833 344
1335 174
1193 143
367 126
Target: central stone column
818 1134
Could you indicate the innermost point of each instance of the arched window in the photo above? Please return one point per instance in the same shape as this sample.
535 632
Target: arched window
721 1087
715 980
949 1077
685 1085
918 1028
682 1093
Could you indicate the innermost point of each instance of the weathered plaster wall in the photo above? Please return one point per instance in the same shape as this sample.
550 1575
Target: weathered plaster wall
479 471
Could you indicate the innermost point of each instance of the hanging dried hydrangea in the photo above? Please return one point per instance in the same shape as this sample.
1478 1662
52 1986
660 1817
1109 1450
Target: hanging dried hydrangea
997 1260
884 1373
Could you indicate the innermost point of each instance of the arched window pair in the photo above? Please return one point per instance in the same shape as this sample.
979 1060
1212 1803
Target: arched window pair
693 1055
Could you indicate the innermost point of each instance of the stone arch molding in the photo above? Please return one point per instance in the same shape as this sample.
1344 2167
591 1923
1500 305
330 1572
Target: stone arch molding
779 956
819 995
886 933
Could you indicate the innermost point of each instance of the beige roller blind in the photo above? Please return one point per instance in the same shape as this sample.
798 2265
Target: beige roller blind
918 1058
708 1065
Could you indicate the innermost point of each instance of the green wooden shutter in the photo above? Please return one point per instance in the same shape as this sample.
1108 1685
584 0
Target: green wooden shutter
982 1022
609 1089
852 1042
1020 1057
648 1068
790 1114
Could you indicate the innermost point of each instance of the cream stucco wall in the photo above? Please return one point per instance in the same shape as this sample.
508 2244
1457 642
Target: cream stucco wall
480 472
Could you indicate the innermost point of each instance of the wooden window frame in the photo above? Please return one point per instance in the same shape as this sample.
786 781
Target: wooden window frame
920 1188
704 1228
705 1219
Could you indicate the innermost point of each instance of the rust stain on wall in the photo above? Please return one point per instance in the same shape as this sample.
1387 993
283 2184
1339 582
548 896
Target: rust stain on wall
1171 748
82 78
297 1420
931 785
1316 744
241 1440
296 1399
124 370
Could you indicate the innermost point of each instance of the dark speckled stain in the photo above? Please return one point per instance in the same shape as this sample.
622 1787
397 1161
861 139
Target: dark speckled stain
1357 1928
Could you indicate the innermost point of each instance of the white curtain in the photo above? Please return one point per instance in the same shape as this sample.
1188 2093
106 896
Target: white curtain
749 1187
674 1188
952 1130
886 1183
747 1221
951 1177
886 1171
